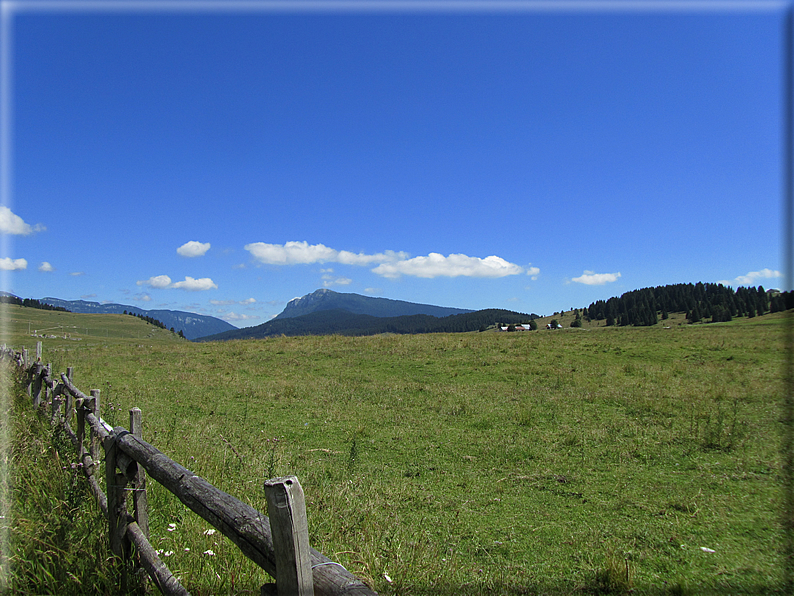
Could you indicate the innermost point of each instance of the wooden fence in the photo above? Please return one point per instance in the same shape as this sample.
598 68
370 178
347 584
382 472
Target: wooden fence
279 544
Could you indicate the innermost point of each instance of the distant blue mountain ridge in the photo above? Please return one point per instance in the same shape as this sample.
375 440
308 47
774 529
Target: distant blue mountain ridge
325 299
190 324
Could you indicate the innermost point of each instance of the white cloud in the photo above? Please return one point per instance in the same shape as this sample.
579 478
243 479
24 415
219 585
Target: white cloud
330 280
77 273
235 317
162 282
389 263
87 296
45 267
303 253
9 264
752 278
157 282
143 297
248 301
590 278
195 285
193 249
11 223
533 272
437 265
373 291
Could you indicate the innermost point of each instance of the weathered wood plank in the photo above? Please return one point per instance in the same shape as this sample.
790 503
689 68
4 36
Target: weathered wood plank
139 499
93 434
69 397
286 508
117 508
96 426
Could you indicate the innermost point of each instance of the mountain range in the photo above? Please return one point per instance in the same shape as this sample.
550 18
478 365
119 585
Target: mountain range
321 312
190 324
325 299
326 312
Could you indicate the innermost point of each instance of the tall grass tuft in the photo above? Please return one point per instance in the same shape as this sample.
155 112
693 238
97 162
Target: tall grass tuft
57 533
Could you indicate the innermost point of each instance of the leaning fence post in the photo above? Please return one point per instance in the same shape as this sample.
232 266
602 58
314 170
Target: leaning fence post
139 500
94 437
38 351
286 509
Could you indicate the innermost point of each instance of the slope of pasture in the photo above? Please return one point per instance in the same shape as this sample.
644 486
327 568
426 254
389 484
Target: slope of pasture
22 327
595 460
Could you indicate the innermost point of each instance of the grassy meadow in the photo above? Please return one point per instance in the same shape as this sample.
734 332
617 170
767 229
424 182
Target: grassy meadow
596 460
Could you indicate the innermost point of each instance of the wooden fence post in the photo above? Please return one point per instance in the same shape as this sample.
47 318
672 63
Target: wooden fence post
36 384
69 397
25 365
81 411
38 351
286 509
139 500
117 507
94 438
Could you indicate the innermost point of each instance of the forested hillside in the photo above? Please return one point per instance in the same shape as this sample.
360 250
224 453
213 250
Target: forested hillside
709 302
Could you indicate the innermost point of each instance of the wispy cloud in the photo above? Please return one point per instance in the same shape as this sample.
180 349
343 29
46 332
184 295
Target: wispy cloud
9 264
533 272
455 265
77 273
45 267
11 223
142 297
193 249
590 278
751 278
232 316
87 296
163 282
230 302
390 264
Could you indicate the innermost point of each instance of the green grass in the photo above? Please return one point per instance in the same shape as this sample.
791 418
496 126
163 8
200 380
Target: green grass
594 461
56 532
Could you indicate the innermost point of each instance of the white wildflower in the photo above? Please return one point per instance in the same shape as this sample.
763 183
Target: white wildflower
387 578
168 553
707 550
209 532
209 552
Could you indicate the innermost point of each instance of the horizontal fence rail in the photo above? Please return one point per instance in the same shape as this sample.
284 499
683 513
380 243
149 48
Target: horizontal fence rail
298 569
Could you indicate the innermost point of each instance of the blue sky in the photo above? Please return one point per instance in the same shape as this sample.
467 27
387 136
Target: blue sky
224 161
